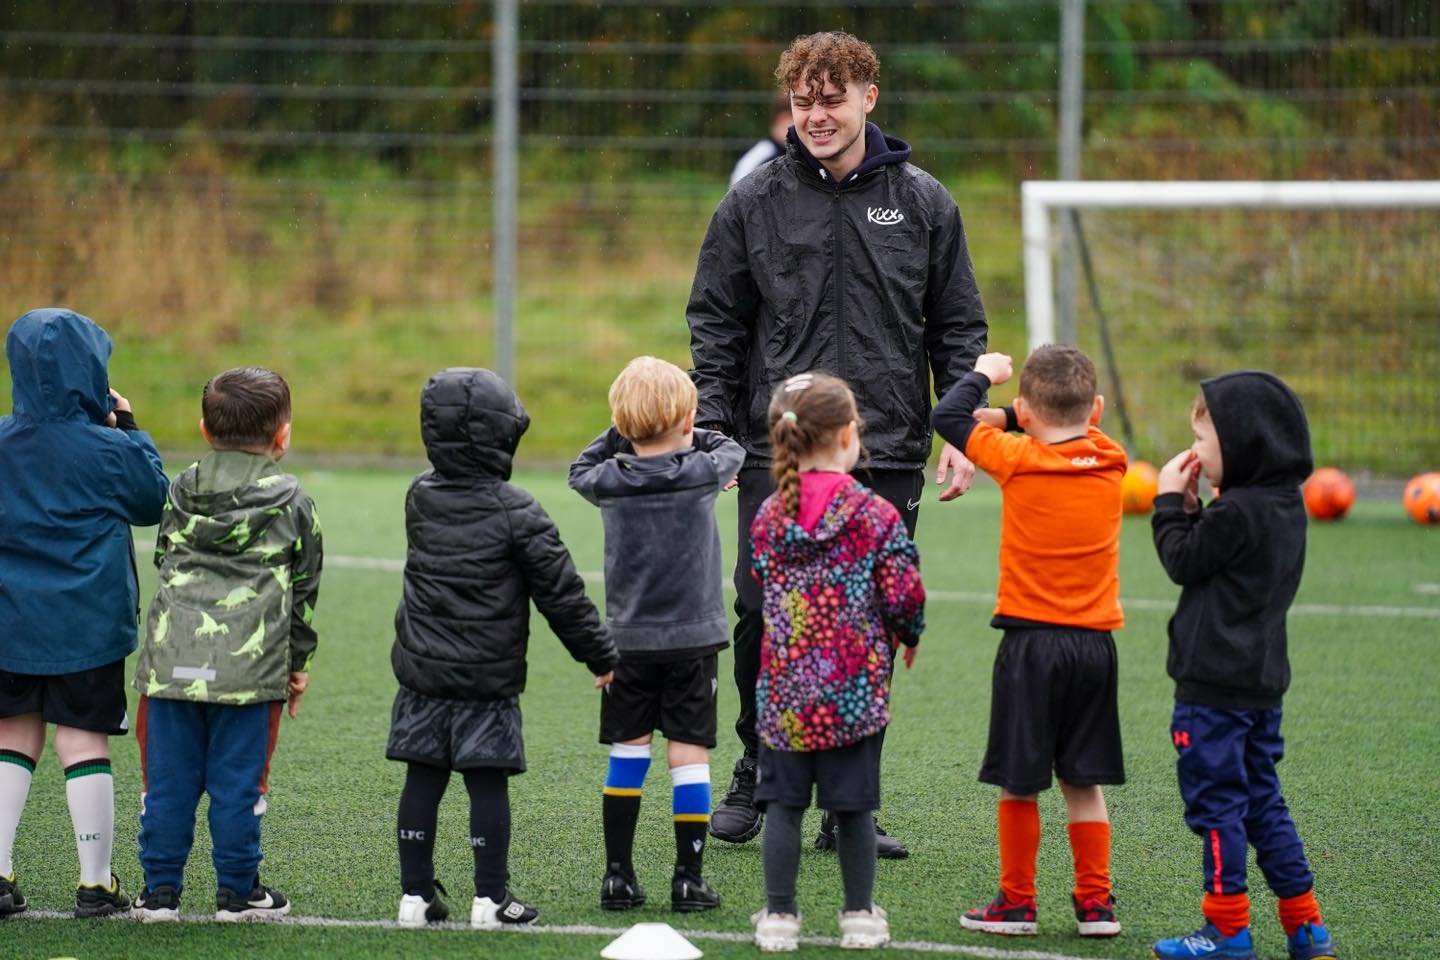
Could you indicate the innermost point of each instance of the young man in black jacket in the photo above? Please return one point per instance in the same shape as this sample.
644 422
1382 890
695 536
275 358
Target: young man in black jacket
841 256
1239 560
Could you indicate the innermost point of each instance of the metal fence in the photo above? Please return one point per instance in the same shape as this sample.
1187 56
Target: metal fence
287 178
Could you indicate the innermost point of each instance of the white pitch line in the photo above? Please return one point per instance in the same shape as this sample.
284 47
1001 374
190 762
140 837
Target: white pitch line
391 565
587 930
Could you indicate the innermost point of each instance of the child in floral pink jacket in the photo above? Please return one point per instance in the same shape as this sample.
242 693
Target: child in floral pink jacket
842 591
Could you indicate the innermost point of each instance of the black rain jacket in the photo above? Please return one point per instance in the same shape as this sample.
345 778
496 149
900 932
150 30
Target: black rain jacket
480 549
1240 557
869 279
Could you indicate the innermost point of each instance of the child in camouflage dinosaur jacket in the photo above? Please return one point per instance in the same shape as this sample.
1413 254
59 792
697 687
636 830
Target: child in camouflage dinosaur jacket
227 641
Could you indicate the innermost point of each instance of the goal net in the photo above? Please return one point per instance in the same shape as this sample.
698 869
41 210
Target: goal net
1333 286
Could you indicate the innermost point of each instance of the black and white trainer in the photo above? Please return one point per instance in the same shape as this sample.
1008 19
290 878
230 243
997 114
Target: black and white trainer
486 914
99 900
157 906
262 903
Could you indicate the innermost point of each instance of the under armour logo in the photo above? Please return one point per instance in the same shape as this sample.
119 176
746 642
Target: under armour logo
1182 738
883 217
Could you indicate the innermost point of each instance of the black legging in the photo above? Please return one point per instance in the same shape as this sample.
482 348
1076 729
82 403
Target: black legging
489 828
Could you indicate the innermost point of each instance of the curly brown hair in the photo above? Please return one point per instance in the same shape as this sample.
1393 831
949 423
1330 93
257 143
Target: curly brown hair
840 56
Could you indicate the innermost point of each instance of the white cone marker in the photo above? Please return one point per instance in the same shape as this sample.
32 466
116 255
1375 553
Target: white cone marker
651 941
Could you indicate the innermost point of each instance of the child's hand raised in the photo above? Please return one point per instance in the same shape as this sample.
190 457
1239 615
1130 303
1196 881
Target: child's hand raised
991 416
120 404
1180 475
997 366
604 680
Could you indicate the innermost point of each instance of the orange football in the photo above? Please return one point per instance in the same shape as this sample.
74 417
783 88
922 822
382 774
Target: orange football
1138 488
1422 498
1329 494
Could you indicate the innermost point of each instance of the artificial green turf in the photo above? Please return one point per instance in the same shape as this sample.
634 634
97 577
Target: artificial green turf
1360 726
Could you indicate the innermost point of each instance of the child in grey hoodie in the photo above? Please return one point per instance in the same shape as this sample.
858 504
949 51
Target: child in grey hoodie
655 478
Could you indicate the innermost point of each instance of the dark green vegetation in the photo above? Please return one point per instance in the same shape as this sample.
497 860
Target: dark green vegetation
307 186
1360 727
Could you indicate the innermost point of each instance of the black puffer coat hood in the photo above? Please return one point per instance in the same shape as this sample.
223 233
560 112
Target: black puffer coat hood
471 422
479 551
1264 436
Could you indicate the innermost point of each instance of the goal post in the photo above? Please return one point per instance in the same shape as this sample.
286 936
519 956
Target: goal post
1038 198
1333 285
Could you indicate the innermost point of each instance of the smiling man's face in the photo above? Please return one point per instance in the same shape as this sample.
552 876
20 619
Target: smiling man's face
830 122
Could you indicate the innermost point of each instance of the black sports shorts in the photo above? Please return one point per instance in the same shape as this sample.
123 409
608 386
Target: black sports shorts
675 697
846 779
91 699
1053 707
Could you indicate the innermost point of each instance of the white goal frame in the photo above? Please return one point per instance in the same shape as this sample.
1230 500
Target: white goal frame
1039 197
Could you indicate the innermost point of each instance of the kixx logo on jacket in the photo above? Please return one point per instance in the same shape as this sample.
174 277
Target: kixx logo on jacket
882 216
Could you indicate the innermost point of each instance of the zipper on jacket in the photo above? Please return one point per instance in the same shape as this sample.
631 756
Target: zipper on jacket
839 284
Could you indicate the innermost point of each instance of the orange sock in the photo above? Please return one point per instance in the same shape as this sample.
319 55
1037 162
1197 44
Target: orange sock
1295 911
1090 848
1229 912
1019 843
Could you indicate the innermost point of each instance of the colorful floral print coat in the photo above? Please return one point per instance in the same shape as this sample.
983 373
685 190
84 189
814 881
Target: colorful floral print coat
837 602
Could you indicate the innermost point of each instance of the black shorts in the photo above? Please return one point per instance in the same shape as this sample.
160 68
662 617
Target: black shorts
1053 706
91 699
675 697
456 734
846 779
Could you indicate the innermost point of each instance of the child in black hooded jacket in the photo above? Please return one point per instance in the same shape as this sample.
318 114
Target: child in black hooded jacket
479 550
1239 559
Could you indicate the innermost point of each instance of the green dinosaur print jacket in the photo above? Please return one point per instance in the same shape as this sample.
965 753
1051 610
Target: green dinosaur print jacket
239 554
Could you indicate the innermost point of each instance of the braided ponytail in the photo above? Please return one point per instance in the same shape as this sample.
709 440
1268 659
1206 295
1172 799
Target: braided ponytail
805 412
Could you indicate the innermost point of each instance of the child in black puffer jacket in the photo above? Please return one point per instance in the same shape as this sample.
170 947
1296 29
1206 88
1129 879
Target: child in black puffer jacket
479 550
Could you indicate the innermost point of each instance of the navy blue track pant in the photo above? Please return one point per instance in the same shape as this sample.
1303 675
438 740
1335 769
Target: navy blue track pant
1232 796
187 749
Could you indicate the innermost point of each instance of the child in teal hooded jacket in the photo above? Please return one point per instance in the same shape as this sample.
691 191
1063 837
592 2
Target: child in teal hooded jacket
75 475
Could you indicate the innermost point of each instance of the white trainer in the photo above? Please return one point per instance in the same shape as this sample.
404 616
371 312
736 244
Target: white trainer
864 929
416 911
777 932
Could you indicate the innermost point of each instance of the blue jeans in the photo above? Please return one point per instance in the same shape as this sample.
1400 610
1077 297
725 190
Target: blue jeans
1232 796
187 749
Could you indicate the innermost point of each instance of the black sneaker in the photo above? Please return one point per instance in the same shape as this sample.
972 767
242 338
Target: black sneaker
620 891
690 893
98 901
158 905
11 899
262 903
736 819
886 846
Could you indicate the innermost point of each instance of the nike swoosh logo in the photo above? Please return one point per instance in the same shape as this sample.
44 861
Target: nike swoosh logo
912 504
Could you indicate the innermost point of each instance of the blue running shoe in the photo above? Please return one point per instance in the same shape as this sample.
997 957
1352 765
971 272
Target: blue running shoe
1207 942
1311 942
